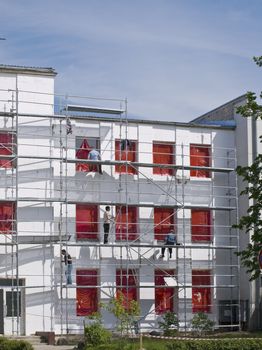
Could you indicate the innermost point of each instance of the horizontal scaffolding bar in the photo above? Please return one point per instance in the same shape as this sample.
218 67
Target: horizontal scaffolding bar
142 205
92 109
123 244
121 162
180 286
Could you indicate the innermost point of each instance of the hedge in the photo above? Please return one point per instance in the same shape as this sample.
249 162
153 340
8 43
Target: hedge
216 344
11 344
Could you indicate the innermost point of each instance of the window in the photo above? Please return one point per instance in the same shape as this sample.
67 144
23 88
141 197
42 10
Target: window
127 284
201 296
163 153
200 156
6 149
125 150
86 298
83 147
163 222
7 217
126 223
200 225
86 221
164 296
11 303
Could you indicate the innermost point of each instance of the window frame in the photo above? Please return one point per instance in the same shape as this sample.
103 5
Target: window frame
7 148
128 155
197 160
170 292
87 235
156 155
159 232
202 292
8 220
92 292
205 236
126 234
125 277
92 142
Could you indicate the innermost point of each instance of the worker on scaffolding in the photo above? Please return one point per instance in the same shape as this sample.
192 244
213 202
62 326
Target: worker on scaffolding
108 219
68 264
170 239
95 155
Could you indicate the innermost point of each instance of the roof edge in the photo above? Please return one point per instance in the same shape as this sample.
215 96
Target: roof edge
49 71
235 100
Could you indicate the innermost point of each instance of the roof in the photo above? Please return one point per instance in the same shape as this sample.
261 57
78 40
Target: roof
27 70
147 121
221 115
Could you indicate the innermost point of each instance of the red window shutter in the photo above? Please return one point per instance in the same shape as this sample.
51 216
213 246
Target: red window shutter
82 153
164 297
6 149
163 222
163 154
200 156
126 283
201 296
126 223
200 225
86 221
127 153
86 298
7 217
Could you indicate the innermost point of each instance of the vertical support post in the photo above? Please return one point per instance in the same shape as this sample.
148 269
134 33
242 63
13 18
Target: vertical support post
16 239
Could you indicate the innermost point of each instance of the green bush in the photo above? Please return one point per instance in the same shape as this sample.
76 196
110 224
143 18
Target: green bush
96 334
11 344
169 323
201 324
215 344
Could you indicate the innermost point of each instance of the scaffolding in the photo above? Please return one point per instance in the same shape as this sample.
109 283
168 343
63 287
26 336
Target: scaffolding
45 174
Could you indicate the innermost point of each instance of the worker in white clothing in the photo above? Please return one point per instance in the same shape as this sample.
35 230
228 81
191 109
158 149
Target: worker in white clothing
108 218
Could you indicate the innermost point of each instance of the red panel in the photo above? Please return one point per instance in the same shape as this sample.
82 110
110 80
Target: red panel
126 153
163 154
201 296
86 221
6 149
163 222
126 223
82 153
201 225
86 298
200 156
7 217
126 278
164 297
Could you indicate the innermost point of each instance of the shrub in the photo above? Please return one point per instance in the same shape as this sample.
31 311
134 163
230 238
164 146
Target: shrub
215 344
95 333
11 344
201 324
168 323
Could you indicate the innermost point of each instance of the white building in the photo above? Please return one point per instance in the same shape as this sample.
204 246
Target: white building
155 176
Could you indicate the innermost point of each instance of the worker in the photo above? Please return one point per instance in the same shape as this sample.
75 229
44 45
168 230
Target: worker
95 155
170 240
108 218
68 264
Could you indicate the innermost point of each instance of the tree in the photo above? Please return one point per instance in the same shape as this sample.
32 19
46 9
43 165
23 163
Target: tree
252 175
124 310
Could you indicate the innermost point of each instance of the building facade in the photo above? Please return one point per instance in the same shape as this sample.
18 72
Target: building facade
155 176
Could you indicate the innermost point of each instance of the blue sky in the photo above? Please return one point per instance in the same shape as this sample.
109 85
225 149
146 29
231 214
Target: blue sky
172 59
